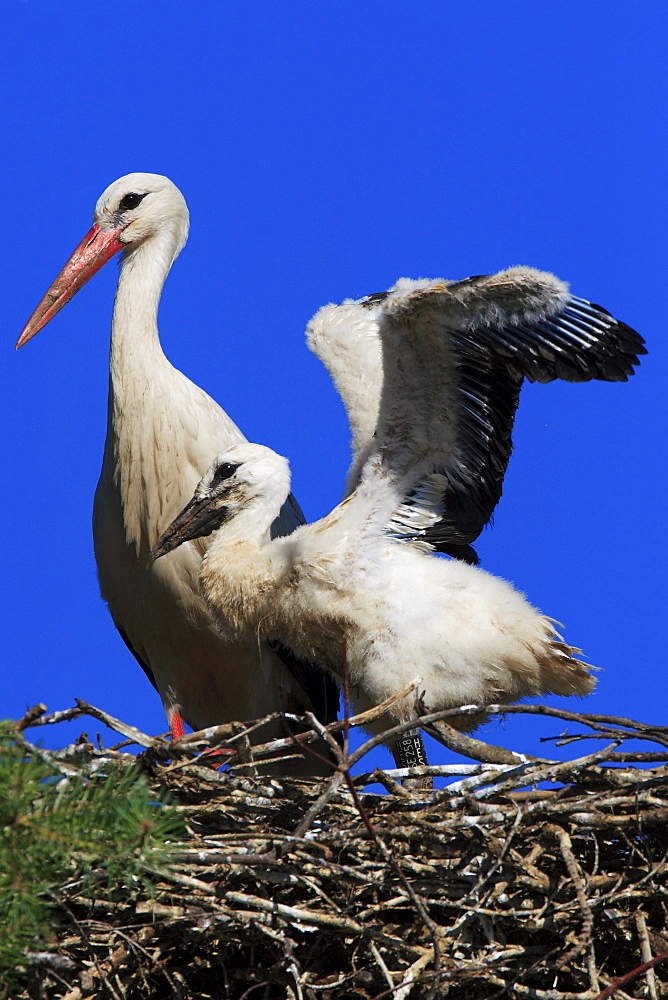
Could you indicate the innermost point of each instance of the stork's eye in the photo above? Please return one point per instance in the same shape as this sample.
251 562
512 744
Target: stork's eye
131 200
224 471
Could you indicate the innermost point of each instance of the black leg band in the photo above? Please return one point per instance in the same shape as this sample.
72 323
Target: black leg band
409 751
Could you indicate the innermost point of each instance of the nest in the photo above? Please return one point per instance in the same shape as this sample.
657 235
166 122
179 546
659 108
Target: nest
526 878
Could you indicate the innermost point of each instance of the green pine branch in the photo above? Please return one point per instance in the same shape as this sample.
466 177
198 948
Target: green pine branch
100 834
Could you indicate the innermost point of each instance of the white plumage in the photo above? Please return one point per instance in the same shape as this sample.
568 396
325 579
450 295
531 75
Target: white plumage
162 431
431 441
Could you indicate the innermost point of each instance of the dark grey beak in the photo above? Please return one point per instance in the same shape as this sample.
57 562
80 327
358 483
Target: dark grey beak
198 518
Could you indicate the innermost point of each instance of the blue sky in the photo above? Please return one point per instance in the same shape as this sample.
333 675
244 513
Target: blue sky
326 149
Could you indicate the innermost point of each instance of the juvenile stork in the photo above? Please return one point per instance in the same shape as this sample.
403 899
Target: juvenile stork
162 431
360 587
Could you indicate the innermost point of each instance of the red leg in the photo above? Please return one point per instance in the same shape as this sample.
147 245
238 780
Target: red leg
210 758
176 726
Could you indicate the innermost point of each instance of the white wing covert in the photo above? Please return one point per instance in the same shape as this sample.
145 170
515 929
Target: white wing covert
345 339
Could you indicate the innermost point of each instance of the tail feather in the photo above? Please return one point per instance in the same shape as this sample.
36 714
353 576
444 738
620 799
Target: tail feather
560 672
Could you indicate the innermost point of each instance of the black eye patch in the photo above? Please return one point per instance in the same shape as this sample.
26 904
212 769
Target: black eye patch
223 472
131 200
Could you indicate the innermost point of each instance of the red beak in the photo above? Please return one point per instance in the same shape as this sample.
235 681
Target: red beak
96 248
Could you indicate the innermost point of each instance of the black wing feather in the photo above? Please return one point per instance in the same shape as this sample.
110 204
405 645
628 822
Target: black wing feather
576 343
142 663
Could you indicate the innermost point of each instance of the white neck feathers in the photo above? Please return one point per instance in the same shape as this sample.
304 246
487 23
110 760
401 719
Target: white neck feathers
143 389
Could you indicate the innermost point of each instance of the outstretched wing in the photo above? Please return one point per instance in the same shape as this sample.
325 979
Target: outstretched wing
454 355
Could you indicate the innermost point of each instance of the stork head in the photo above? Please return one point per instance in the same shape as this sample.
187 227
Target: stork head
139 206
132 210
246 479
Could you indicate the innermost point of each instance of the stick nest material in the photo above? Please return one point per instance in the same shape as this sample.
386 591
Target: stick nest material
532 878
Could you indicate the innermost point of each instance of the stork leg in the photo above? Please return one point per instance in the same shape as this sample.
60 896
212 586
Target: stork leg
409 751
209 758
176 726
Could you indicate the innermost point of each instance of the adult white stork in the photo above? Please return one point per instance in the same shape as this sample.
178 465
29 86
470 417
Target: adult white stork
162 431
358 587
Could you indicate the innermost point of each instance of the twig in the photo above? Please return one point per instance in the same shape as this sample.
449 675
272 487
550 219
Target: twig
332 786
411 977
342 924
30 718
381 965
487 753
574 872
130 732
631 976
646 953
